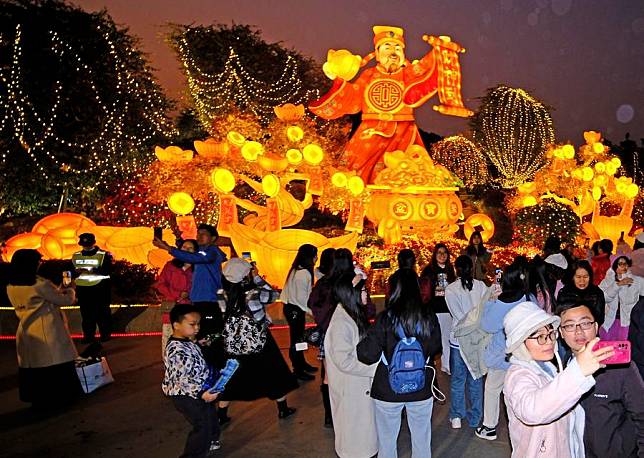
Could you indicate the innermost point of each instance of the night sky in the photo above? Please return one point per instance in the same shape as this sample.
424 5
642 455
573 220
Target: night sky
584 58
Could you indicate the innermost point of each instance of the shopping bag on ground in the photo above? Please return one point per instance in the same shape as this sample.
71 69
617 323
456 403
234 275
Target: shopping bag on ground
93 373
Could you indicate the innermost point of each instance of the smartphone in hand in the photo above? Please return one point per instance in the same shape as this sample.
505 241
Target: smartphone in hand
622 349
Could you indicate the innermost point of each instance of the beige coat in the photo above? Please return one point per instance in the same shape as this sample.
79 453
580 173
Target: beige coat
42 338
354 421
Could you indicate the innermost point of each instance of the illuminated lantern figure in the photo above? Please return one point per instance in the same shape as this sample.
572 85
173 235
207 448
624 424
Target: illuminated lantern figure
289 112
387 94
224 182
271 187
60 233
26 240
211 148
181 204
173 154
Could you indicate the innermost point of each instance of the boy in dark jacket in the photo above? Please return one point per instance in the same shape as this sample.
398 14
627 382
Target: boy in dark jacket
614 407
186 382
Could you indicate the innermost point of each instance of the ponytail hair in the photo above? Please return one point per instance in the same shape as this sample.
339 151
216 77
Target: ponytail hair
464 267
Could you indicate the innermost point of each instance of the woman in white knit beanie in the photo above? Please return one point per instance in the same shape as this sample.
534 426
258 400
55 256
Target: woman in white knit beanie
541 399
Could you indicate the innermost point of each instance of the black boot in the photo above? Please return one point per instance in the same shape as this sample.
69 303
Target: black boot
283 410
326 401
222 414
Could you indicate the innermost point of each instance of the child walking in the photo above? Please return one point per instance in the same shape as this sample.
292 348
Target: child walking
186 381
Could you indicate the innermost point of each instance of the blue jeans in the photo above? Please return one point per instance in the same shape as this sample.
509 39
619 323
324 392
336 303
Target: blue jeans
419 419
461 381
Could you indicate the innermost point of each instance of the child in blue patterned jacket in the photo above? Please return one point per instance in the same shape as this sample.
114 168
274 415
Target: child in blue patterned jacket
187 379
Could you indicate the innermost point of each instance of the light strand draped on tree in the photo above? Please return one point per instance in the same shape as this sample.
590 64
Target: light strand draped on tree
514 130
463 158
77 100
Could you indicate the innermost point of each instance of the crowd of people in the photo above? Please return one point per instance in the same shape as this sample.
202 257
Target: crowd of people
528 330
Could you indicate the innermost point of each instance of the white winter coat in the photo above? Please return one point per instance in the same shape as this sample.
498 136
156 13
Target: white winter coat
352 407
625 297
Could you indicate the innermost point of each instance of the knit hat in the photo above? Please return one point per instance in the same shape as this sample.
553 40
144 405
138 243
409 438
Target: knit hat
236 269
558 260
522 321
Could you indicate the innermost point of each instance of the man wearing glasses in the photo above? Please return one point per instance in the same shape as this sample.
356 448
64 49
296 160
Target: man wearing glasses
614 407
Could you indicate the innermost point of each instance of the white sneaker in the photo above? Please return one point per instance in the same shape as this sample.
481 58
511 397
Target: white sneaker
456 423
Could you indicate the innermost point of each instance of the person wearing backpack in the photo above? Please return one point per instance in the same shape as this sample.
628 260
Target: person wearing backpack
403 341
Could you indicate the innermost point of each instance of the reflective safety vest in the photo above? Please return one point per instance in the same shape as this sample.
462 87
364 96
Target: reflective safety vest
88 267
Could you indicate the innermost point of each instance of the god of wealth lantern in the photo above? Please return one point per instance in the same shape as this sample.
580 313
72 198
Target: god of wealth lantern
388 93
182 204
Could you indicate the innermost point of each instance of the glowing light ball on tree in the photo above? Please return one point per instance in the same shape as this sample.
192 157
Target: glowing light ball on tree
295 133
294 156
513 129
223 180
181 203
250 150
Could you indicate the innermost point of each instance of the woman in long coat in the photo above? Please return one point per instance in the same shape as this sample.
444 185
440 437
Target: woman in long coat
350 380
46 353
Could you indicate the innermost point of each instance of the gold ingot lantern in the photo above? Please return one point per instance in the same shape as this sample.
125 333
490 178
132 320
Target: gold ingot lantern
342 64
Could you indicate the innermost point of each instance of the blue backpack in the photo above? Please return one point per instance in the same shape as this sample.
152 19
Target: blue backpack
407 366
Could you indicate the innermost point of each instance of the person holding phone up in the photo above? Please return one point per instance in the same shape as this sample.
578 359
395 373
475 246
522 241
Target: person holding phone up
614 407
544 415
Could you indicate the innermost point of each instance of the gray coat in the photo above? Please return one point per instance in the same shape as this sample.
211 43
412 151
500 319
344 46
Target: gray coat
354 421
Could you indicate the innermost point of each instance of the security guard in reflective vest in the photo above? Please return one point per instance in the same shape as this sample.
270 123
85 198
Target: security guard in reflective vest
93 289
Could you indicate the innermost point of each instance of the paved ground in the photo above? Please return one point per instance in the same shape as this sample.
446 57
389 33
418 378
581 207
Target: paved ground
131 418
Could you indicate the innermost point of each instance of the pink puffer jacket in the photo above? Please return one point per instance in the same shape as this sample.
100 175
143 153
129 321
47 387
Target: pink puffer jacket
545 419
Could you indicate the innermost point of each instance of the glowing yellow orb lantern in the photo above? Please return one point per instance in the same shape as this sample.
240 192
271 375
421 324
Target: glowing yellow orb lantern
598 148
251 150
294 156
236 139
597 193
621 187
339 179
181 203
577 174
616 162
527 188
601 180
295 133
568 151
223 180
271 185
587 174
355 185
313 154
529 201
632 190
600 167
611 168
482 220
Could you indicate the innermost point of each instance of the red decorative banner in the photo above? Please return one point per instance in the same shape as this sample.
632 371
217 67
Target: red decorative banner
316 185
187 226
274 221
355 221
449 76
227 214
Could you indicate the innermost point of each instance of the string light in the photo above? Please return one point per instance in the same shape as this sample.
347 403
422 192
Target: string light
513 129
463 158
214 93
109 151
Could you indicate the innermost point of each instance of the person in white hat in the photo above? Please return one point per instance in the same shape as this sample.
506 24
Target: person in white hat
541 399
260 375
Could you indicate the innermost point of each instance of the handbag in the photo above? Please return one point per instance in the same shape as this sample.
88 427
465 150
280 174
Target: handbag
93 373
243 335
313 335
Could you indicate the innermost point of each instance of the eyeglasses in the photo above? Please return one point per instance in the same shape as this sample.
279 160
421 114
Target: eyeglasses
572 327
542 339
